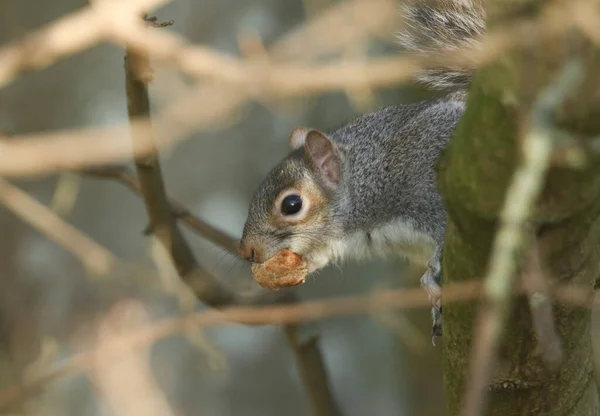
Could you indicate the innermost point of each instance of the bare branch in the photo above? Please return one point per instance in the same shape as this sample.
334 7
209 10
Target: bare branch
66 36
97 259
258 315
127 383
125 177
98 146
401 299
204 286
537 287
303 340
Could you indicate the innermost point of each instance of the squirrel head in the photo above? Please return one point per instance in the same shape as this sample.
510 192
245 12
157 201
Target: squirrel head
292 207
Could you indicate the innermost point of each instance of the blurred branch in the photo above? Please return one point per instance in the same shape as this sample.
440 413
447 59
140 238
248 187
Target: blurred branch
152 188
537 286
239 82
118 21
110 20
400 299
258 315
98 260
519 202
304 343
352 22
125 177
203 107
68 35
126 382
203 285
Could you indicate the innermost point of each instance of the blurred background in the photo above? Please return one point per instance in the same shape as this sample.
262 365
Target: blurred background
378 365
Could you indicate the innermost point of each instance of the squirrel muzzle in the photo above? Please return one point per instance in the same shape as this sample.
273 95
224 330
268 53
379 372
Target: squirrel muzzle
253 251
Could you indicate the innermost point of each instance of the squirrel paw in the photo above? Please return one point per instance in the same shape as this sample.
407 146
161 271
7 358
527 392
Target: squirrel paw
429 282
436 329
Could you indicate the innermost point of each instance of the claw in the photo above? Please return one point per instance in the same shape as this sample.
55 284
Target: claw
430 281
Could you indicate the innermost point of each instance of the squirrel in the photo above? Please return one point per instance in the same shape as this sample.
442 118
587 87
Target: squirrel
368 189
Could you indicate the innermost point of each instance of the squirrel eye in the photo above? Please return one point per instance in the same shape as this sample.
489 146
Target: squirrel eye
291 204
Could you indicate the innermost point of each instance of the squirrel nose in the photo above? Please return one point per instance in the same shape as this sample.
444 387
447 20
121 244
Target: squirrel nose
248 252
253 252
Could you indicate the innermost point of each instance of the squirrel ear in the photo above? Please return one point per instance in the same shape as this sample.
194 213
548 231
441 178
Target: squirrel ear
323 157
298 137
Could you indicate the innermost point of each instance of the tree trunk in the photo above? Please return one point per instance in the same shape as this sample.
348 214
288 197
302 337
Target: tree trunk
473 176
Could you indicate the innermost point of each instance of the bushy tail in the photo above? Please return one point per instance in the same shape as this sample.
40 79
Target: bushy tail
438 27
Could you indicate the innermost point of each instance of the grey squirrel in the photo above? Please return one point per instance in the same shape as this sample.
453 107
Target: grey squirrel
368 188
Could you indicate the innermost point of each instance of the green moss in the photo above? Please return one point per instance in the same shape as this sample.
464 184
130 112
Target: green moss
483 157
473 175
461 261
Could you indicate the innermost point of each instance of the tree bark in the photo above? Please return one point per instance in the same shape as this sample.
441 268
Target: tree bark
473 176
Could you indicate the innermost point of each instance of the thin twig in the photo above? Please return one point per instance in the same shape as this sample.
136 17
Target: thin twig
203 285
519 202
97 259
537 286
125 177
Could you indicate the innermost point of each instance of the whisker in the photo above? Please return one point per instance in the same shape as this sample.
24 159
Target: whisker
236 262
221 258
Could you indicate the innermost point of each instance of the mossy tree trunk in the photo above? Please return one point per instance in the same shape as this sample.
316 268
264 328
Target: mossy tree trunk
473 176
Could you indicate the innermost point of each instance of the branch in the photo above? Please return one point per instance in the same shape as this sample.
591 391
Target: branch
277 314
291 314
127 384
66 36
99 146
126 178
118 21
97 259
204 286
152 188
540 304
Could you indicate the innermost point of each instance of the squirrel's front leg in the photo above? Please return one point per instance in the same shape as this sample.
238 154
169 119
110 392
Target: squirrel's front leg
431 282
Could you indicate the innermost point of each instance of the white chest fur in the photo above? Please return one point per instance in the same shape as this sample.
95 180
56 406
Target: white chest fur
394 238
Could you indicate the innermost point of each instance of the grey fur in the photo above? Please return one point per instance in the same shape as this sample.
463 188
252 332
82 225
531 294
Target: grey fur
389 166
442 26
386 200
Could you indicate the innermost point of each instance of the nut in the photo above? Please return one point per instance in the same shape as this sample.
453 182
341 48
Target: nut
284 269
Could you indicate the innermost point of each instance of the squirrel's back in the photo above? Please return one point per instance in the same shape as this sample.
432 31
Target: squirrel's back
391 155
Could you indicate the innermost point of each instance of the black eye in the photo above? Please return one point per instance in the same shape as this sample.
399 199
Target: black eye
291 204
